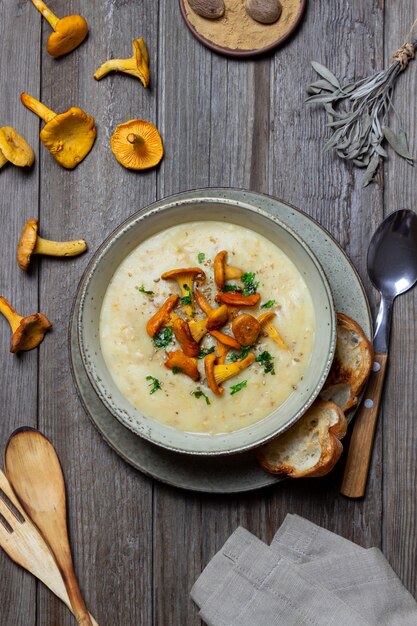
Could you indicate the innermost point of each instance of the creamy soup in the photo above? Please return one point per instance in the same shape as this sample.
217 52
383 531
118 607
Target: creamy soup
131 355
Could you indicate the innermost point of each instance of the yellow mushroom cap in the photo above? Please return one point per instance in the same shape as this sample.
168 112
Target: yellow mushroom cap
14 148
27 243
224 371
198 328
30 332
137 145
140 52
70 31
69 136
222 271
265 320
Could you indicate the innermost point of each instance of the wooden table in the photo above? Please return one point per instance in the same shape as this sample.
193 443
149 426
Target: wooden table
138 544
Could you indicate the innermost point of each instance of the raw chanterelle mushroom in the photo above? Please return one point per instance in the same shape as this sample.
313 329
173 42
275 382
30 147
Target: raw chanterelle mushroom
68 136
218 373
68 33
137 145
28 332
137 65
30 243
14 148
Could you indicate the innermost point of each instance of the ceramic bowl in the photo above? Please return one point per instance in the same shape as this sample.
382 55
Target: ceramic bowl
291 27
151 221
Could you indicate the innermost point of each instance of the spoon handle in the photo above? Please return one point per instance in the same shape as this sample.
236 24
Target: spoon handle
77 602
360 449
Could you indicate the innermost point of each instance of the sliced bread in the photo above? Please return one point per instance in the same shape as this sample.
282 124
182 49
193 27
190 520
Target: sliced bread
351 366
309 448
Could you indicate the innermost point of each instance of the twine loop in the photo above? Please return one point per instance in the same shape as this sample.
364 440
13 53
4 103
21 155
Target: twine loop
404 55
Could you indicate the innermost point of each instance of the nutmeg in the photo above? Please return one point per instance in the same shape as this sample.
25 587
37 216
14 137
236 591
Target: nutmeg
211 9
264 11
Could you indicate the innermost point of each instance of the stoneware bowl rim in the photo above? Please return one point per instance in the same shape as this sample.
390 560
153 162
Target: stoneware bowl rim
157 432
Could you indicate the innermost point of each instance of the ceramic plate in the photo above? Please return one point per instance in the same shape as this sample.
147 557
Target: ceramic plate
153 220
236 472
290 24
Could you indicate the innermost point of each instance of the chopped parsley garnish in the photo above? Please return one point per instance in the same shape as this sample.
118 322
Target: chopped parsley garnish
201 256
227 288
201 394
163 338
235 388
154 385
238 356
143 290
203 353
267 361
268 305
186 299
249 284
176 370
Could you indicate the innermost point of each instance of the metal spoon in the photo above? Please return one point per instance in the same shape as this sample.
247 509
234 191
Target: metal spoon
392 268
34 471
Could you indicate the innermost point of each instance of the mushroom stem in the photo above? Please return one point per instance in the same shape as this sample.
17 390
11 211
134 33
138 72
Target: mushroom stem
116 65
10 314
37 107
232 273
59 248
3 160
46 12
135 139
137 65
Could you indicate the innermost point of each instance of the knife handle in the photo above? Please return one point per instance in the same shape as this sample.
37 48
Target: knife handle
359 455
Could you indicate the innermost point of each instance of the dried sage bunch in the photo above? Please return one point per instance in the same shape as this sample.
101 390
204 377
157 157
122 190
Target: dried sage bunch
358 112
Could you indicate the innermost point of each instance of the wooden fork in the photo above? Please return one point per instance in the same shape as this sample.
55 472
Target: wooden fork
24 544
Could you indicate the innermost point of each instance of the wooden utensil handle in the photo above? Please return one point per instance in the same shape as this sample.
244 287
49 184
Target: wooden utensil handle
77 601
360 449
85 621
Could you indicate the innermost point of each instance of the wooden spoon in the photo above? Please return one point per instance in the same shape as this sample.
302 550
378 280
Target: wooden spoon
34 471
22 541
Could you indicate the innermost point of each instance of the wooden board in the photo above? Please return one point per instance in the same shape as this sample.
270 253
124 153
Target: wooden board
139 546
19 200
399 540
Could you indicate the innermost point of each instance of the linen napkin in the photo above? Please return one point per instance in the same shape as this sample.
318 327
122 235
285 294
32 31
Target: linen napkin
307 576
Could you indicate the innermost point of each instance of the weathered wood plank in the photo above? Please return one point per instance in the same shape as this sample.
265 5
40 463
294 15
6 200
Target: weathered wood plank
224 123
262 137
299 173
350 43
19 51
400 436
184 111
110 505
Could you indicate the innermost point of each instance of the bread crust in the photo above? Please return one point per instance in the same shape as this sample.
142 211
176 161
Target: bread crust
313 434
345 371
328 440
